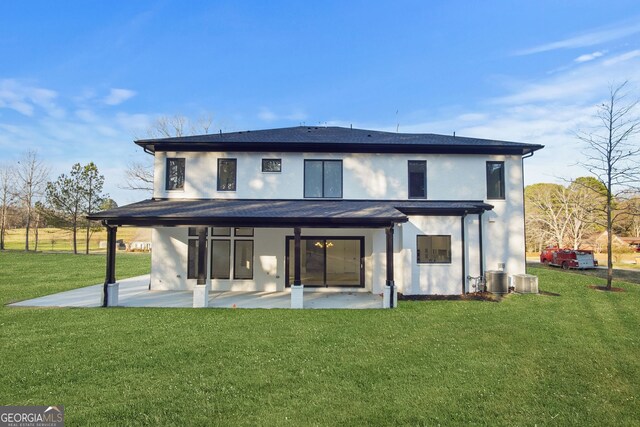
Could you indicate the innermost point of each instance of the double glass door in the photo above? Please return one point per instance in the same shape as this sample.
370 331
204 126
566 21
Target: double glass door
324 262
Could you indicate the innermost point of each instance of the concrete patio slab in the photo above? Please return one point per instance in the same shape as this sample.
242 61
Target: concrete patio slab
134 292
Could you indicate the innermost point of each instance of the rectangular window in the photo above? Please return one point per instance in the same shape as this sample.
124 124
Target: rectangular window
323 178
221 231
192 259
243 231
434 249
220 259
243 259
495 180
271 165
417 179
175 174
226 174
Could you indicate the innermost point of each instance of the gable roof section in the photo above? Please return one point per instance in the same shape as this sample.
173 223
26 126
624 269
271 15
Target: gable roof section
280 213
335 140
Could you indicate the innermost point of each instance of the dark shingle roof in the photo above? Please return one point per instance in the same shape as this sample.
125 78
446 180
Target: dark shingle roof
335 139
353 213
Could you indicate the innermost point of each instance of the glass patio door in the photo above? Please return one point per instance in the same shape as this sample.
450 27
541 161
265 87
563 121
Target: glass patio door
328 262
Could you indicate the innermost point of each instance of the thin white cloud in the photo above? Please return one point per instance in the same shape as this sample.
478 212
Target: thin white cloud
267 115
118 96
589 56
24 98
595 37
622 58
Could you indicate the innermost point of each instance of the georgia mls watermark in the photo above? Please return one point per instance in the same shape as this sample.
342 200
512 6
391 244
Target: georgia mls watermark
31 416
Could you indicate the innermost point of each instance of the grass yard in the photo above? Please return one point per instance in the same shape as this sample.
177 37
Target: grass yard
571 359
59 239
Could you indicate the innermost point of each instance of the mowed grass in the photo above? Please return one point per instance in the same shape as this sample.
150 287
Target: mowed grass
59 239
571 359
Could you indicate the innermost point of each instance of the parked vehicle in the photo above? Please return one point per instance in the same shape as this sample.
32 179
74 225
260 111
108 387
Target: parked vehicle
568 258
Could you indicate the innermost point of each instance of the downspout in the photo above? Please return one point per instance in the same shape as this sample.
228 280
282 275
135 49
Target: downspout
524 212
464 256
481 245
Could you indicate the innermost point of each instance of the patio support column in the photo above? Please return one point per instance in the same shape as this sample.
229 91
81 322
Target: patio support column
110 277
297 288
296 257
390 282
202 255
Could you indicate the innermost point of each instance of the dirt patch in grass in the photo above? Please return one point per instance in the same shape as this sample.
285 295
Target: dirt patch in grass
548 294
604 288
476 296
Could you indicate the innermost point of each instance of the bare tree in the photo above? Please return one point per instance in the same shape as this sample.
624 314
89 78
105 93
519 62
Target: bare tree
31 175
139 174
547 207
7 183
612 155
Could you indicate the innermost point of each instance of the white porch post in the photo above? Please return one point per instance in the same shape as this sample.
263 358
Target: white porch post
201 290
390 295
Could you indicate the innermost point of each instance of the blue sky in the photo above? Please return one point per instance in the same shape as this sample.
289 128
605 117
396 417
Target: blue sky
79 80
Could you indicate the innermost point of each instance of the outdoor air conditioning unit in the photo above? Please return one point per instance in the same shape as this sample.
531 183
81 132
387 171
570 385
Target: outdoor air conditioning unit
497 282
525 283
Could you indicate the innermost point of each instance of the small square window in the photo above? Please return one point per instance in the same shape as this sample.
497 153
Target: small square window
221 231
271 165
433 249
243 231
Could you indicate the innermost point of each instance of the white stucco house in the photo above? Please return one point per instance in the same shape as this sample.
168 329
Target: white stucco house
329 207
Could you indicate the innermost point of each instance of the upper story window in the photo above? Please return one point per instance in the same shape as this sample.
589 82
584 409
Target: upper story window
323 178
175 174
271 165
495 180
227 174
417 179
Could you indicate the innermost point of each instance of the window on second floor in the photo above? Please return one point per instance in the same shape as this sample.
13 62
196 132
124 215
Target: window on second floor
271 165
175 174
495 180
417 179
227 174
323 179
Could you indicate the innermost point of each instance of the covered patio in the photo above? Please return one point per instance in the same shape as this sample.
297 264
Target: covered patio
134 292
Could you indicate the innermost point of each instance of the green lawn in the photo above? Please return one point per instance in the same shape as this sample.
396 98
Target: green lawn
572 359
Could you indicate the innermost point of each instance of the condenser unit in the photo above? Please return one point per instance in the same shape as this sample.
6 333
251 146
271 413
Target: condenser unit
497 282
525 283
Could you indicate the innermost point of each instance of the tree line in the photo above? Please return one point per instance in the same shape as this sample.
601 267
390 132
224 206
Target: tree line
29 199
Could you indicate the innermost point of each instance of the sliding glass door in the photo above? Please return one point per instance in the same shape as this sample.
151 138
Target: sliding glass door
328 261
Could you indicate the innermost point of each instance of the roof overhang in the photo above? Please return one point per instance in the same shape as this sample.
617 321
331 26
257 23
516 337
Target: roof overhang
152 146
280 213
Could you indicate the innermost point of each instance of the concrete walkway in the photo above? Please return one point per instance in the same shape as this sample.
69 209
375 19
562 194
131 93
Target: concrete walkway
134 292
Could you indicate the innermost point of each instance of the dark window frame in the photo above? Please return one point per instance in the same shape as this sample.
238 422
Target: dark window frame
235 174
288 258
211 260
193 232
235 232
424 193
450 261
182 169
190 273
272 159
304 174
214 234
253 258
502 194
